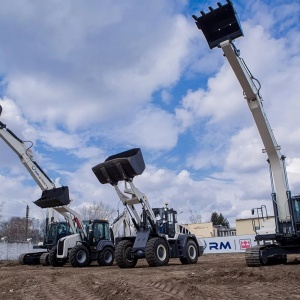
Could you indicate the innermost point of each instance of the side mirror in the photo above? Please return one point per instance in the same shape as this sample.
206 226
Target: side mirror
252 211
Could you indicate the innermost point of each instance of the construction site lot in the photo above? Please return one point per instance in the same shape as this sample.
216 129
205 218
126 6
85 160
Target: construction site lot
215 276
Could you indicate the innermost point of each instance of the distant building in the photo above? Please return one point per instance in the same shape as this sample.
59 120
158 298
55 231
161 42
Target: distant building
246 226
243 227
204 230
220 230
201 230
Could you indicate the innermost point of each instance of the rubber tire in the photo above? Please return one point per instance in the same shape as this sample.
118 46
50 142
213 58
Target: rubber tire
44 259
106 257
191 253
157 252
122 255
79 256
54 262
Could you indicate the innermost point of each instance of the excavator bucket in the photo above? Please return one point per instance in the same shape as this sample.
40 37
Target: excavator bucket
54 197
122 166
219 24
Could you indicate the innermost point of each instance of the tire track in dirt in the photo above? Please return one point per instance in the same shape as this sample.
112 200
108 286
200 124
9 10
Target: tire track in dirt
73 286
213 277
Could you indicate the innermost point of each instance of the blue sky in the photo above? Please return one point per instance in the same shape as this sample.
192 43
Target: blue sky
85 80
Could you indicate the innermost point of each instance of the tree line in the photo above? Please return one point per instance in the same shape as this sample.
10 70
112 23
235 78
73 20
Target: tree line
19 229
216 218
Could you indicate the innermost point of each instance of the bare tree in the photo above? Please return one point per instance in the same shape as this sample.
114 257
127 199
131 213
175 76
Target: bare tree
97 210
195 217
15 229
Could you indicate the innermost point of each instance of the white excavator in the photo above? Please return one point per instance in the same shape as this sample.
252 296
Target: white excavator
158 237
67 240
221 27
51 194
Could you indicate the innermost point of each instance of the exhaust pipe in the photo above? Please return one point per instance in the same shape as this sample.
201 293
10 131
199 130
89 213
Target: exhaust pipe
54 197
121 166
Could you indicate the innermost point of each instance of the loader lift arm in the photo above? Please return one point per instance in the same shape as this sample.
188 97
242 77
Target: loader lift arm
121 227
220 27
51 196
123 167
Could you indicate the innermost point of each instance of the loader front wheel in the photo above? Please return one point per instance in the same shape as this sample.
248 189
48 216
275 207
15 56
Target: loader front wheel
124 256
106 257
157 252
191 253
79 256
53 260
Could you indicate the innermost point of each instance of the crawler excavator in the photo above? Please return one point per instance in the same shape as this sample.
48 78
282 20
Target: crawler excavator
221 27
159 237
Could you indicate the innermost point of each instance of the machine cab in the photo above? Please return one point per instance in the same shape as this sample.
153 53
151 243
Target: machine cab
296 208
56 231
96 231
165 220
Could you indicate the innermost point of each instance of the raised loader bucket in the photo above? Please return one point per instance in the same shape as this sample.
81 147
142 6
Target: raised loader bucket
54 197
219 24
122 166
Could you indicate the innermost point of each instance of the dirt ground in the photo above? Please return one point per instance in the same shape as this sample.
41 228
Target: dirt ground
215 276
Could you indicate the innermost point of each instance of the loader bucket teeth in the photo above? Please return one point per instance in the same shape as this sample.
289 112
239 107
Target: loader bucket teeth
54 197
219 24
122 166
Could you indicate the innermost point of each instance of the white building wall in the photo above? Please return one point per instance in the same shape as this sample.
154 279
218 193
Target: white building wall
12 251
227 244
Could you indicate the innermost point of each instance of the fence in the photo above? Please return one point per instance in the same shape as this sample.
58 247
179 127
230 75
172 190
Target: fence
11 251
227 244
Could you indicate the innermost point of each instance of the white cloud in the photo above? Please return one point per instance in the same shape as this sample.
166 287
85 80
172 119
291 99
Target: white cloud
70 76
152 128
83 77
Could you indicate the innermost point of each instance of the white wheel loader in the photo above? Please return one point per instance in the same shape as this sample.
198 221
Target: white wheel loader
159 237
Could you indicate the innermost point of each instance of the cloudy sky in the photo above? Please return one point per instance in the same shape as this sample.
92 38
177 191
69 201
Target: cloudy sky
86 80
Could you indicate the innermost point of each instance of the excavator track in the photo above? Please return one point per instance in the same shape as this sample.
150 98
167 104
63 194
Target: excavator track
252 256
30 258
44 259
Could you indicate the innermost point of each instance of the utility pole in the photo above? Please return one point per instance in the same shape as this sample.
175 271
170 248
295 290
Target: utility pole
26 224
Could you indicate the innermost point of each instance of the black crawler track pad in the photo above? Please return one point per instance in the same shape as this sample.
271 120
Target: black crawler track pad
219 24
54 197
122 166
